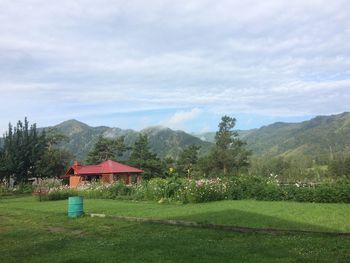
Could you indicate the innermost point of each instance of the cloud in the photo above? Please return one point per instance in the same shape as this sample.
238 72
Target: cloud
181 117
85 58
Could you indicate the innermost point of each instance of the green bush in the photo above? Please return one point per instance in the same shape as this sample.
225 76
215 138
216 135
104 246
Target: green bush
58 194
4 191
304 194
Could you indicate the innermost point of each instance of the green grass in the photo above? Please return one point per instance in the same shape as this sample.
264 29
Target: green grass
249 213
31 231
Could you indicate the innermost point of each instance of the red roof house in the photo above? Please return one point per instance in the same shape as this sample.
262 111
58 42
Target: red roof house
108 171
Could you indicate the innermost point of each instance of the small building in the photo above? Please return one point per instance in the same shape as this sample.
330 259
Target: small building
108 172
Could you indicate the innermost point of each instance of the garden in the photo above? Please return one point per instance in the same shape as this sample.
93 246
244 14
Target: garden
182 190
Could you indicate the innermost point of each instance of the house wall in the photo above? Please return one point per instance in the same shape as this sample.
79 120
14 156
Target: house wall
74 181
107 178
123 177
128 178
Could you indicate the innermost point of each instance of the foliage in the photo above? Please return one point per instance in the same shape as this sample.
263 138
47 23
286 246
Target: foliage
23 188
229 154
205 190
142 157
4 191
188 158
340 166
291 169
61 193
105 149
25 153
54 161
21 152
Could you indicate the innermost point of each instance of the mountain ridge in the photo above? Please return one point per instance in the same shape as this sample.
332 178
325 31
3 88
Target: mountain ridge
163 140
319 136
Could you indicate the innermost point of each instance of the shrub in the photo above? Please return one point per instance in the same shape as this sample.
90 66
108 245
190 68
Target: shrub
303 194
4 191
58 194
205 190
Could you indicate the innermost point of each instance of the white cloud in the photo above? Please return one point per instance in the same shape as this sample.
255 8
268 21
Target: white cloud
78 58
179 118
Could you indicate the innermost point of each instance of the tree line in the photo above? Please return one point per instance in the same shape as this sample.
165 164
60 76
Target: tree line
27 152
228 156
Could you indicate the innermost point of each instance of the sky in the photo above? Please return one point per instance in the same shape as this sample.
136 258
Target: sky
181 64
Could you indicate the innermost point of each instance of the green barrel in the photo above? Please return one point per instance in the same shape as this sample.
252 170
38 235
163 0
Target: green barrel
75 206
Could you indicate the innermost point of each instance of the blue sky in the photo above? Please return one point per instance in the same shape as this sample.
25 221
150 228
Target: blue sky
182 64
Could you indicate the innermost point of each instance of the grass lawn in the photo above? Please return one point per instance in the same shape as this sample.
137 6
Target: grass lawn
31 231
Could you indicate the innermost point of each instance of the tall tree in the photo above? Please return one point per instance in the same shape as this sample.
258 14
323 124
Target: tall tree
22 150
105 149
188 158
230 153
142 157
54 161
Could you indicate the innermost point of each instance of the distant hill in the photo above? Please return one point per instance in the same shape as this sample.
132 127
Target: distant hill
323 135
320 136
163 141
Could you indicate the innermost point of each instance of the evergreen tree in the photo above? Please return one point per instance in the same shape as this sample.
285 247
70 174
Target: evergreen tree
54 161
21 151
105 149
142 157
229 153
188 158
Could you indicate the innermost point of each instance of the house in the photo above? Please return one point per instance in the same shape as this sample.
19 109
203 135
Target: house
108 172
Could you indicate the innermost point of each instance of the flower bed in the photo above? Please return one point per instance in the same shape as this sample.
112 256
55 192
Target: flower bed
205 190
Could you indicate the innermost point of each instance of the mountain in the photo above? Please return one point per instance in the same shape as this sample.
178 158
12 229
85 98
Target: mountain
163 141
320 136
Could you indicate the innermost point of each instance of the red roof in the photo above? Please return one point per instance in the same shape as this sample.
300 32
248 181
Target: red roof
110 166
107 167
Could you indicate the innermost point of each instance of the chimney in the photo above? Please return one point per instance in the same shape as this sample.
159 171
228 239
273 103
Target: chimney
75 167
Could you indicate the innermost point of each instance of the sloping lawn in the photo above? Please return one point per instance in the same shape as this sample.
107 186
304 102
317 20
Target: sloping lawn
31 231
